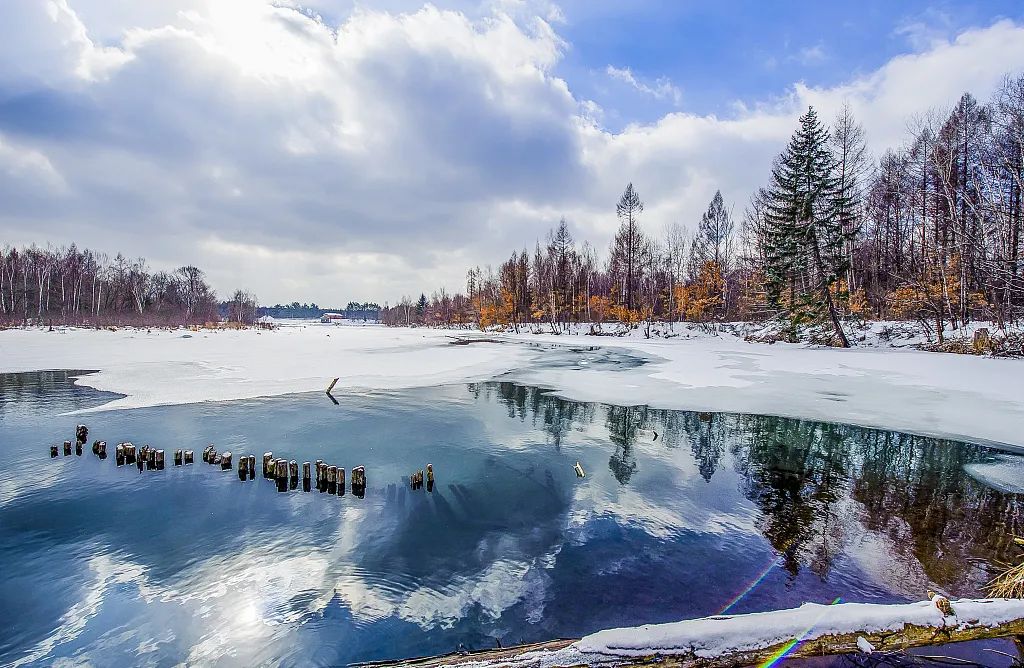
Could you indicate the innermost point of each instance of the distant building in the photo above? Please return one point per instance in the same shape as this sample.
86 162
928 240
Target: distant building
332 317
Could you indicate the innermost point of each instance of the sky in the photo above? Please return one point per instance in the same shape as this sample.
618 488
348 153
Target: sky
337 150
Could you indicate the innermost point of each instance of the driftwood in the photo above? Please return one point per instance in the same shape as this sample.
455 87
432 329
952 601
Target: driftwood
891 633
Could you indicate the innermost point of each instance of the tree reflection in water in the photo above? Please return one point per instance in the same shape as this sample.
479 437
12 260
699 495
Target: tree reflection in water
815 483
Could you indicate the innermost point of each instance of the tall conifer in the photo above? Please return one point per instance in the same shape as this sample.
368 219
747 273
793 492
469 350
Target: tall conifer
805 233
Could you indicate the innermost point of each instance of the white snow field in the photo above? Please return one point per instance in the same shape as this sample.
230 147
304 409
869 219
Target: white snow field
965 397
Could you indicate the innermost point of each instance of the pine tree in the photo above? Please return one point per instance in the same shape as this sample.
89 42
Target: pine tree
628 244
805 236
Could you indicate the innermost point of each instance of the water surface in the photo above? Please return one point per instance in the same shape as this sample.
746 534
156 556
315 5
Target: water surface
720 512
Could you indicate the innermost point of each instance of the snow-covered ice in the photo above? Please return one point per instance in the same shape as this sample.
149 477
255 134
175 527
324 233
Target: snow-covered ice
1005 474
965 397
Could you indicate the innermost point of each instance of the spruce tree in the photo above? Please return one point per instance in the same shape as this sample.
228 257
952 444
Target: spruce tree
805 235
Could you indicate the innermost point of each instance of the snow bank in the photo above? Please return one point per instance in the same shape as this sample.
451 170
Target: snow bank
174 367
719 636
715 636
963 397
957 396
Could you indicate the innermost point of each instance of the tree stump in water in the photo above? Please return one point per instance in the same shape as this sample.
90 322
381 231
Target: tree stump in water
982 341
359 481
281 474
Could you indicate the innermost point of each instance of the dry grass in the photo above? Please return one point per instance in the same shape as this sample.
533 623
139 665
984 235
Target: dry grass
1009 583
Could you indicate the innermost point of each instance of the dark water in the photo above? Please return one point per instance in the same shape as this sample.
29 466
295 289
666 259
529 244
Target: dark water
107 566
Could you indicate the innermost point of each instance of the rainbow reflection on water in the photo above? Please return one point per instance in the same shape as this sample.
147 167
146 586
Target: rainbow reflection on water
786 649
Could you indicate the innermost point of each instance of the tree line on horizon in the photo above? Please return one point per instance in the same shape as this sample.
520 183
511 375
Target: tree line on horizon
930 230
68 285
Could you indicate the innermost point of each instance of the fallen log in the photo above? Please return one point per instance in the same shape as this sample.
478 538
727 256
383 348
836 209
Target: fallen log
750 639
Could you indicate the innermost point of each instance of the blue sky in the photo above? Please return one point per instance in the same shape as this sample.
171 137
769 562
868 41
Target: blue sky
341 150
718 53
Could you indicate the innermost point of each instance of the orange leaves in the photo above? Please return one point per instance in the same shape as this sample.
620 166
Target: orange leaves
700 300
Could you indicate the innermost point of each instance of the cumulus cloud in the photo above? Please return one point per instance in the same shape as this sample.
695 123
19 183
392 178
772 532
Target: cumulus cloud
379 154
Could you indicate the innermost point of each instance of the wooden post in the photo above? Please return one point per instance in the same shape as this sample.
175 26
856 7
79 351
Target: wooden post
243 467
318 466
305 470
331 482
103 450
359 481
67 448
159 460
53 451
212 457
341 481
177 457
119 454
190 456
268 458
78 448
81 433
96 447
140 460
281 473
206 454
129 452
251 465
293 473
225 461
430 477
150 458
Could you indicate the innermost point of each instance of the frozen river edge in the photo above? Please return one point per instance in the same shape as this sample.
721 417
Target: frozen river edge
968 398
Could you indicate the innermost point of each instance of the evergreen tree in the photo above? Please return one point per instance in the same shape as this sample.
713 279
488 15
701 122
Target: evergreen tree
806 236
628 244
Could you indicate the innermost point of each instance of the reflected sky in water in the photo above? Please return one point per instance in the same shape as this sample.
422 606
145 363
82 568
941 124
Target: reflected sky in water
107 566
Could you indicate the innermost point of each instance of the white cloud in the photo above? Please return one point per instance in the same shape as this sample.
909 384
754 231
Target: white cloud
661 89
380 155
812 55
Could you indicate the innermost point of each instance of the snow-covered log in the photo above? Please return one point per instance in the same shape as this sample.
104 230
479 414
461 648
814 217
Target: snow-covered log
730 640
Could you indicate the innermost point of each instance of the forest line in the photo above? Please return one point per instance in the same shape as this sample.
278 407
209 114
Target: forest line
928 231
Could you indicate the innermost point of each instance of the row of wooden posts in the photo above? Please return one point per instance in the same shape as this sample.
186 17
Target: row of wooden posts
329 478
